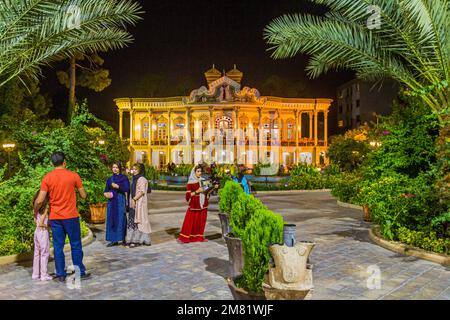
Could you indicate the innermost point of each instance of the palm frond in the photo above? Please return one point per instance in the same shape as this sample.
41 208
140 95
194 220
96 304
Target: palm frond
36 32
411 45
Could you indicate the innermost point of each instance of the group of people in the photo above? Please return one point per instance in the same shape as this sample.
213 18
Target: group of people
55 208
122 198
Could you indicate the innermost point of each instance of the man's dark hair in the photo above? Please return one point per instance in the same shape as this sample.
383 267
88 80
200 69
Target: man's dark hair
58 159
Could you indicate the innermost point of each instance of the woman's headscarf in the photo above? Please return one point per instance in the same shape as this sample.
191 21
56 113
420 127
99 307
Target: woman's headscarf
136 178
193 179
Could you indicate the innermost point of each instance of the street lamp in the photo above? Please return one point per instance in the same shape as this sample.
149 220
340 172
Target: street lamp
9 147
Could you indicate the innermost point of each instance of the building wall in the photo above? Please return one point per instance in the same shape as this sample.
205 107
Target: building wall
357 101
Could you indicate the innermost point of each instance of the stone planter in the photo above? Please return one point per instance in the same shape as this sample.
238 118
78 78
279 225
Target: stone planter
235 254
241 294
290 278
225 223
98 212
366 216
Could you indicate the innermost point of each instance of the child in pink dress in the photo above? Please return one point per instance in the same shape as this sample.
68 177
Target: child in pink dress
41 244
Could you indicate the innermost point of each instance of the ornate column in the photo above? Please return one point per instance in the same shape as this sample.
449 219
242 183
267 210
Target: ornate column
150 118
187 128
211 119
236 133
325 137
279 138
121 124
169 134
310 113
131 131
316 113
297 115
259 134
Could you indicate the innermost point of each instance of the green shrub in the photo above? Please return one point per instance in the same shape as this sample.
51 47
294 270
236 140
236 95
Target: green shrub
242 211
16 210
258 166
350 150
264 229
151 173
183 170
261 186
228 196
304 168
427 241
345 187
306 181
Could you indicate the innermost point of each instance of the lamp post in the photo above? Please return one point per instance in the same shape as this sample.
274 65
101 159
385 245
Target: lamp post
9 147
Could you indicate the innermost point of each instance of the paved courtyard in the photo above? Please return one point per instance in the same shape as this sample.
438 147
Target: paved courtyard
344 259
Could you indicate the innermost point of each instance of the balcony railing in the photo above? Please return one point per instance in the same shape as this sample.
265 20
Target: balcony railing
305 142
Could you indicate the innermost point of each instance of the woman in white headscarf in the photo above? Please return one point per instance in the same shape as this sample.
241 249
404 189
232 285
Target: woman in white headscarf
195 220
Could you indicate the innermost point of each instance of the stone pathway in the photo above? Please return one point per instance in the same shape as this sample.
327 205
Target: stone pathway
344 260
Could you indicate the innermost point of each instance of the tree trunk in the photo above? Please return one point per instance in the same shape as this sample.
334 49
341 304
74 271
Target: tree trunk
72 98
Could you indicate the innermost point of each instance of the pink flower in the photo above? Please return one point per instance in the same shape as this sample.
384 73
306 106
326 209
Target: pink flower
386 132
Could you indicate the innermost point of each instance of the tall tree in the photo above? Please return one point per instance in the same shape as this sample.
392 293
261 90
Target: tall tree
90 76
34 33
16 97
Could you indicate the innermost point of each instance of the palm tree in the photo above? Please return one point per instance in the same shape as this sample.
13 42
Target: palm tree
407 40
34 33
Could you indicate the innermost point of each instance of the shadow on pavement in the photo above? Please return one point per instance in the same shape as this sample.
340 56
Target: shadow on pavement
217 266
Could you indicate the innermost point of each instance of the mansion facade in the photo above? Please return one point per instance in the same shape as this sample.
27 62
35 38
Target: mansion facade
226 123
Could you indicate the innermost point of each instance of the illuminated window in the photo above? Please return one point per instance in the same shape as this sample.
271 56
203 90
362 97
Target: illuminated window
341 123
162 131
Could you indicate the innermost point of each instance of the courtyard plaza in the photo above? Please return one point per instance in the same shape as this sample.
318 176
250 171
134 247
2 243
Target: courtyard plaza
344 259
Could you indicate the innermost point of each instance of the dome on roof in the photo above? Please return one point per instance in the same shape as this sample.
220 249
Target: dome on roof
212 74
235 74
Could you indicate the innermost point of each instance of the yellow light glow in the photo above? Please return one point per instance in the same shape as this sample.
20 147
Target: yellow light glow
9 146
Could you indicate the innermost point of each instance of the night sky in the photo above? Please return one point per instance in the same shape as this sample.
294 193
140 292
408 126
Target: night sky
184 38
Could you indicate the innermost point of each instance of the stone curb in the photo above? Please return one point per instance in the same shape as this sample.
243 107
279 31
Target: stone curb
349 205
23 257
408 250
292 191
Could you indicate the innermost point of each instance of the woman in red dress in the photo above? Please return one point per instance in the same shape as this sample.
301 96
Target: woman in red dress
195 220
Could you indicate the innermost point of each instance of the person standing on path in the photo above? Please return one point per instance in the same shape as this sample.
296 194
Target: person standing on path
116 190
41 243
60 185
138 227
195 220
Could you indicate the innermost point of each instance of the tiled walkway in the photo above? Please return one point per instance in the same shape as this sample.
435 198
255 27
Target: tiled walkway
345 261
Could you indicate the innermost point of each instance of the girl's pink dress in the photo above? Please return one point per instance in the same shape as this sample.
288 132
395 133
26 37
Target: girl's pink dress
41 251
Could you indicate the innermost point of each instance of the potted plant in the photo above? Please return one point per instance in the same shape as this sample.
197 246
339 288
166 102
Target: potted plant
263 229
96 200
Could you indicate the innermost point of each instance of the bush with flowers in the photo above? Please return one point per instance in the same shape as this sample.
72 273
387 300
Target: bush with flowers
397 179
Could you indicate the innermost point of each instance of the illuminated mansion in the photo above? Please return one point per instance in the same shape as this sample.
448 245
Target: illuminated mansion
225 122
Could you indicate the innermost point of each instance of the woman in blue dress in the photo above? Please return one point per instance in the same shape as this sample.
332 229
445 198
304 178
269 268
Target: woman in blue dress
242 180
116 190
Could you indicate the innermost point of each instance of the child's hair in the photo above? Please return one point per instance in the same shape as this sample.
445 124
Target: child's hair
44 205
